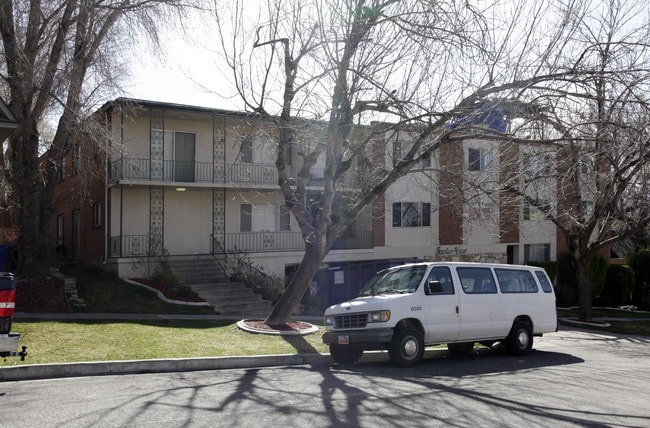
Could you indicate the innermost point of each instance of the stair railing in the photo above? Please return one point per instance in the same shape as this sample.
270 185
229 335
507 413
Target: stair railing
220 256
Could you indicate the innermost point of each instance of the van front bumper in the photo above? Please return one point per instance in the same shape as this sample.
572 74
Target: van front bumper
378 338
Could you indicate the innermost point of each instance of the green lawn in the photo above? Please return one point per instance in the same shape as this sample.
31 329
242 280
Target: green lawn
67 341
640 327
50 341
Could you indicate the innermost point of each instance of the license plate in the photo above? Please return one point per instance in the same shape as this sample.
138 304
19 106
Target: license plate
344 339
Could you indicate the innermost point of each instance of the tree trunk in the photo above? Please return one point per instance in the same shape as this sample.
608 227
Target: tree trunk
584 288
298 285
26 206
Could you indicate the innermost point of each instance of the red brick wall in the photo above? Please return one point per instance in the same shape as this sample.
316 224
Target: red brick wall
509 202
451 198
79 192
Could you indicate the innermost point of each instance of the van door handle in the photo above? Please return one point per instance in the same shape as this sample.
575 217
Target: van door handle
457 310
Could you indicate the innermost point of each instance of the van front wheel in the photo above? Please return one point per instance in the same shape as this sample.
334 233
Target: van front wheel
520 339
407 348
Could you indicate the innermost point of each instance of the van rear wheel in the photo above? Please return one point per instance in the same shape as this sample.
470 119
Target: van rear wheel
407 347
520 340
345 354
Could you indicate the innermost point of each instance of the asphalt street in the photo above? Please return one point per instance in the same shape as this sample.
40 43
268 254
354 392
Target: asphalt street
572 378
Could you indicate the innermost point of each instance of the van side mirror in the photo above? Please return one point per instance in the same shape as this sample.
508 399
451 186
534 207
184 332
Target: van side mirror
435 287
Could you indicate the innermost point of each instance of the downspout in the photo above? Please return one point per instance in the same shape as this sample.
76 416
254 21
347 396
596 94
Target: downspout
106 237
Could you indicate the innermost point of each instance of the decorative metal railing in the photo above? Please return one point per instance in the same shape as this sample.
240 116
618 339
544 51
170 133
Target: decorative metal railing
259 242
137 169
249 242
129 246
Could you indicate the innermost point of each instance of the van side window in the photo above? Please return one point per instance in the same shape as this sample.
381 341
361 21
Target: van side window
476 280
443 276
543 279
516 281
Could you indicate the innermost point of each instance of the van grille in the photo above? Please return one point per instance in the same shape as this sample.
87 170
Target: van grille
351 320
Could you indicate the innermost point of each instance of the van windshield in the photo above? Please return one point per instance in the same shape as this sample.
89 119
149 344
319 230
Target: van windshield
394 281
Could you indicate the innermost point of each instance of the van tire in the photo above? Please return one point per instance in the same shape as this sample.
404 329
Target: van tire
406 348
520 340
345 354
460 349
5 325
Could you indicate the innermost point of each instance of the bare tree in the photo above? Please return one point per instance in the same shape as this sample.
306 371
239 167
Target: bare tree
413 65
596 130
59 58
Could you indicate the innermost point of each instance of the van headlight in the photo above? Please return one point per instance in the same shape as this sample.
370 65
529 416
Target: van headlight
379 316
328 320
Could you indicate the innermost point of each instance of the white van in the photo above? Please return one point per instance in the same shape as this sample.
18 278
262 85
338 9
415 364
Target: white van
405 308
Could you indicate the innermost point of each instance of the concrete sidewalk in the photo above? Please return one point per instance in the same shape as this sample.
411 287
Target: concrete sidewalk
103 368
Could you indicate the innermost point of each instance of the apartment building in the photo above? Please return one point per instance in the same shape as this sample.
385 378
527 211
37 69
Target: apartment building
199 182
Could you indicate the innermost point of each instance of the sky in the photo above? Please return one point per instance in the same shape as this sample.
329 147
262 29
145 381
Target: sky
186 73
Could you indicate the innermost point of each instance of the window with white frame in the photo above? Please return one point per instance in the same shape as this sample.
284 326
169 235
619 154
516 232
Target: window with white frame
480 159
402 147
411 214
60 170
264 218
258 149
536 212
537 253
480 206
537 165
97 214
76 159
60 224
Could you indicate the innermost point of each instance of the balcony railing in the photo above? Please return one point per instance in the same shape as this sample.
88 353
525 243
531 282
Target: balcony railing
259 242
129 246
135 169
250 242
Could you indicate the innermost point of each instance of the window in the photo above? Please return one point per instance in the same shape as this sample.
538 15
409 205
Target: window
402 147
179 155
246 152
479 160
76 159
480 207
60 222
586 165
537 253
285 219
261 218
477 280
443 276
543 279
76 233
537 166
533 213
516 281
258 149
60 170
586 209
411 214
97 214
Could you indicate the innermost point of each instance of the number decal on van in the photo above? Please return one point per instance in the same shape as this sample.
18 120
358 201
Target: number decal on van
416 308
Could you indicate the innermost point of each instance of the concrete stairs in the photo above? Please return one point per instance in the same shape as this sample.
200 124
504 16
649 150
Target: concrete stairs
206 278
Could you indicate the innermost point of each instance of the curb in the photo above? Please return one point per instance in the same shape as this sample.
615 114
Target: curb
243 326
107 368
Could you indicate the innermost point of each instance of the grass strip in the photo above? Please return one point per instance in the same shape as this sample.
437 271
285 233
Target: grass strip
62 342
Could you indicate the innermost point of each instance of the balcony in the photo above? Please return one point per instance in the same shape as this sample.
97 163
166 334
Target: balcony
250 242
140 170
129 246
259 242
